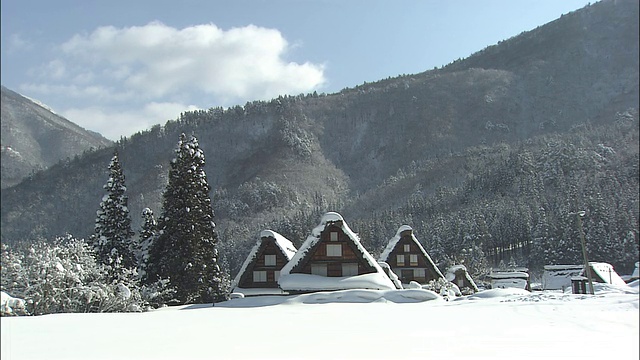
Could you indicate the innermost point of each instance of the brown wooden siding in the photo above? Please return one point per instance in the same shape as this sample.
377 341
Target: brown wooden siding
406 270
318 255
267 247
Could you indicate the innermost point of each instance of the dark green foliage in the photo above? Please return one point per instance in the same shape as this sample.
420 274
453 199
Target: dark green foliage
185 250
113 238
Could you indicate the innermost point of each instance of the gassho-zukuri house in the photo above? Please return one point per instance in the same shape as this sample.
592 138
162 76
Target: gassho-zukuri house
408 258
332 258
261 270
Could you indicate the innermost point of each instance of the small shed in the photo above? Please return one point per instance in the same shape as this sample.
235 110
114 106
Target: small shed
260 271
509 279
332 258
558 277
408 258
459 276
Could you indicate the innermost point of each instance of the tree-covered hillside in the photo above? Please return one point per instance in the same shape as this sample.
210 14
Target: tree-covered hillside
485 158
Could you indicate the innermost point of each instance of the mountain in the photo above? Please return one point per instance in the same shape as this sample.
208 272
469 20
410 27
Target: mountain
484 158
34 138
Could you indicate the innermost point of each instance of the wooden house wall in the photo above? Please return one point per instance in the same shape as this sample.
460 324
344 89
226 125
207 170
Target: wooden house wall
318 255
268 247
406 271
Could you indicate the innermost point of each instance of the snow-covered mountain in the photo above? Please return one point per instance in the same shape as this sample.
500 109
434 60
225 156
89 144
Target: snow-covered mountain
34 137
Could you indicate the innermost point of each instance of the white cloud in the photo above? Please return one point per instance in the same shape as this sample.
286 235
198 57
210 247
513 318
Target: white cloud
144 74
115 123
241 63
18 43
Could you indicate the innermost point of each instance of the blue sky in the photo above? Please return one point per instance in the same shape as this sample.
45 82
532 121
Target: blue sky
118 67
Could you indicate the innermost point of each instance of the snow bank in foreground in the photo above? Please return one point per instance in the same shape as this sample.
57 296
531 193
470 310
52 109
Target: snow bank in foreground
343 296
365 296
305 282
496 293
560 326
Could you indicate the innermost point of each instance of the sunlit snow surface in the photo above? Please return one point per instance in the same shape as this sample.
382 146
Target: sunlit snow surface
349 324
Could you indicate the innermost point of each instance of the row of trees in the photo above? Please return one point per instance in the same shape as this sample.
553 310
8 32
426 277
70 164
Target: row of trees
174 260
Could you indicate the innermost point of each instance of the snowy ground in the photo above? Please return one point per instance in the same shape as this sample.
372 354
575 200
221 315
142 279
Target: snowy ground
356 324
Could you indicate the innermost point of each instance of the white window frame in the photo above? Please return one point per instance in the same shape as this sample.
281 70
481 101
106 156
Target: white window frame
413 260
419 272
276 275
407 248
319 269
334 250
260 276
400 260
271 261
333 236
349 269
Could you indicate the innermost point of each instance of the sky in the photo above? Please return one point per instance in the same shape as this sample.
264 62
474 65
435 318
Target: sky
348 324
118 66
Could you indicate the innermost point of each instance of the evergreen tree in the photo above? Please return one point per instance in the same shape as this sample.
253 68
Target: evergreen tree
185 250
113 238
148 233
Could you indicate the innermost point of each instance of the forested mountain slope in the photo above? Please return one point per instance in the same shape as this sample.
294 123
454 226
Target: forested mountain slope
467 154
34 138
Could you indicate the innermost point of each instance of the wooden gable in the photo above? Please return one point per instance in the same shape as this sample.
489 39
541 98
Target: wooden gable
264 269
334 255
409 260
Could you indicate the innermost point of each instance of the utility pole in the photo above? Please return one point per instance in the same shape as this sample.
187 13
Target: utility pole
587 267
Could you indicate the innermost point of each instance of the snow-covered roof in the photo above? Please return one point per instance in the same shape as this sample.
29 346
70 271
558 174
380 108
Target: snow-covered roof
556 277
563 267
509 275
283 243
259 291
451 275
377 280
305 282
394 241
605 272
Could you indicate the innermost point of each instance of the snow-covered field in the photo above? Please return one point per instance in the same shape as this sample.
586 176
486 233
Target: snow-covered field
355 324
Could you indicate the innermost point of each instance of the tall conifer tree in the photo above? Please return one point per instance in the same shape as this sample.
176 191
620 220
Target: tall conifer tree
185 250
113 236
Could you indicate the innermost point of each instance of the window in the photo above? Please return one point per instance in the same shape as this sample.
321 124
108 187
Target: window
407 248
276 275
419 273
349 269
269 260
413 260
259 276
333 236
334 250
319 269
400 260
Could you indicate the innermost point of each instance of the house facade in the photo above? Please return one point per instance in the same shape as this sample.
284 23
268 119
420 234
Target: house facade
332 258
408 258
260 272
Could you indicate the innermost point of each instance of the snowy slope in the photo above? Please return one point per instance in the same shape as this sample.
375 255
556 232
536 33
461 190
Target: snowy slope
351 324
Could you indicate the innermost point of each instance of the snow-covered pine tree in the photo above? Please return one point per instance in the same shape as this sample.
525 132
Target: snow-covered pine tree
185 250
148 232
113 238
